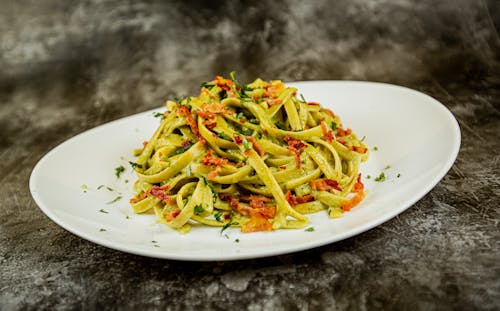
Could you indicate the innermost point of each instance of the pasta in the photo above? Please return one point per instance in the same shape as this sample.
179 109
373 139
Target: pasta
254 156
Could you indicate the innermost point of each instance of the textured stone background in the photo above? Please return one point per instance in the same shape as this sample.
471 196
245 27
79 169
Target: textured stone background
67 66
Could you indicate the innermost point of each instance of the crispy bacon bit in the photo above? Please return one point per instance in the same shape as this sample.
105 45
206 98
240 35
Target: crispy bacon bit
358 188
329 112
191 122
294 145
313 104
256 146
325 184
294 200
161 195
185 143
224 84
156 191
341 141
282 167
292 142
328 133
214 173
170 216
256 223
341 132
209 159
144 143
238 140
255 201
257 205
297 155
360 149
274 101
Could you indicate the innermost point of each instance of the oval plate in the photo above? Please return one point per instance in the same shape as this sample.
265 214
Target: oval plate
75 183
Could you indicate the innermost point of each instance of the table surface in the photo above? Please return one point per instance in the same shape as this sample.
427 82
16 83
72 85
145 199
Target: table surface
68 66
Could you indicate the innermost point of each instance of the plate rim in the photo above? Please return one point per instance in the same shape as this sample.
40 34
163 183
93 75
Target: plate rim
452 156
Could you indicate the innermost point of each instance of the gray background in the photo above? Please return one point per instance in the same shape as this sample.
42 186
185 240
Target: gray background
67 66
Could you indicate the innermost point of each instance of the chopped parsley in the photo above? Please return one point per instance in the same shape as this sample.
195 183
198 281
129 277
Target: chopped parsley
119 170
99 188
102 230
368 177
226 225
380 177
183 149
246 132
84 187
240 115
280 125
254 121
375 148
362 139
198 209
246 144
135 165
333 125
303 99
127 217
103 211
387 167
222 135
158 115
237 240
399 175
207 85
310 229
115 200
218 216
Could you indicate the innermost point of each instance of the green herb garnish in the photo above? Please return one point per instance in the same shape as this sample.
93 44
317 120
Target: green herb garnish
226 225
380 177
375 148
333 125
135 165
222 135
102 230
246 132
119 170
99 188
198 209
280 125
387 167
115 200
158 115
246 144
183 149
310 229
103 211
218 215
399 175
303 99
207 85
188 171
84 187
237 240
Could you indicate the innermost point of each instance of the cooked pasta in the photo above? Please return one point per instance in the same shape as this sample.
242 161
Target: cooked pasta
254 156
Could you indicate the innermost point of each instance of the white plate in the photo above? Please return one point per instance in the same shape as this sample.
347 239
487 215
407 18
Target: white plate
415 134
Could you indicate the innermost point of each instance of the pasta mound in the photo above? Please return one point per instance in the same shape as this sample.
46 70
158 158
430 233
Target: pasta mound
255 156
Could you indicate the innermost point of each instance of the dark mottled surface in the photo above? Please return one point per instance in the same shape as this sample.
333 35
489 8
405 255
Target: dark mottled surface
67 66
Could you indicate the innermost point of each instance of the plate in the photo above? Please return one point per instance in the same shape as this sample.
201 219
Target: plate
416 137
